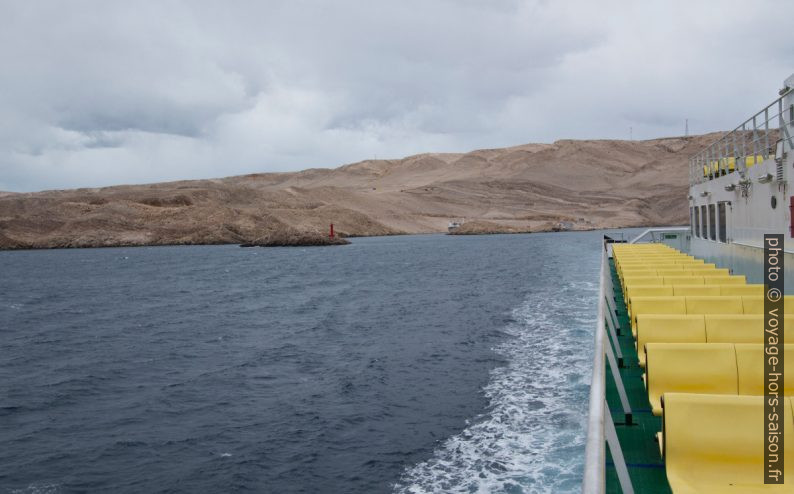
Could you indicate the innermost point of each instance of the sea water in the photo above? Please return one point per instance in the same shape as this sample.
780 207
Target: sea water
411 364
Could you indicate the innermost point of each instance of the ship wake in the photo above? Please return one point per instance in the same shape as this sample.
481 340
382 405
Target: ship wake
531 438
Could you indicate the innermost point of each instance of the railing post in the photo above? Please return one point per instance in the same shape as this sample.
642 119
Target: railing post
624 399
615 342
755 141
617 454
766 134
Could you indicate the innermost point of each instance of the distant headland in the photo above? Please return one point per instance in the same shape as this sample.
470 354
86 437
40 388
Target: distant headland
582 184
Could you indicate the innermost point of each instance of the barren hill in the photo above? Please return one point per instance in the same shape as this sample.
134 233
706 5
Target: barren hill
586 184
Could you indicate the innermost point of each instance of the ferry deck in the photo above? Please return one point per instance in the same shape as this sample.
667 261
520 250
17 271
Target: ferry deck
677 395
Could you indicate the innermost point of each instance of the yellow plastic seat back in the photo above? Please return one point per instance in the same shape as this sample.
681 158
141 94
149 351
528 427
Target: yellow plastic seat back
734 328
656 305
715 444
742 328
696 290
668 328
710 271
674 272
714 305
689 368
710 279
650 291
755 304
750 363
683 280
741 290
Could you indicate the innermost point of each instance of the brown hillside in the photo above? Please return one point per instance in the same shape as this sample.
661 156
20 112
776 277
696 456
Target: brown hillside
591 184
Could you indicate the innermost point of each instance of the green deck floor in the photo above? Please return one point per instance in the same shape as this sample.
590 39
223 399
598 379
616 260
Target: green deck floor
640 450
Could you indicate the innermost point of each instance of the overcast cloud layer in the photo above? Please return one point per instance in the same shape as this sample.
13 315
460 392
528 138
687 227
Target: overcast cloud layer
103 92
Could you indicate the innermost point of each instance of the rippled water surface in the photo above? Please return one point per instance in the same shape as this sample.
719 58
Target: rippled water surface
409 364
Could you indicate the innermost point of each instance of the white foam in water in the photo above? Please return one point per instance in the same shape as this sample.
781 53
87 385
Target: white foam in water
38 488
531 439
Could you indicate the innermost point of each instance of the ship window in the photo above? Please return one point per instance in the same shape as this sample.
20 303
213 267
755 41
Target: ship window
703 222
697 220
712 222
723 222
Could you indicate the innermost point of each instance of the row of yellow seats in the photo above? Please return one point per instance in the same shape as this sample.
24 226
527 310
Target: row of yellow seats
679 271
630 267
702 305
621 257
730 164
691 290
644 265
713 368
636 247
646 256
681 280
703 328
713 444
627 263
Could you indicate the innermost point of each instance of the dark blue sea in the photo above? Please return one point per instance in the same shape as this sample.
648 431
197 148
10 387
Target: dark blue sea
411 364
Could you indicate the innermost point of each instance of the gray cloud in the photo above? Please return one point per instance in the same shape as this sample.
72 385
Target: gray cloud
96 93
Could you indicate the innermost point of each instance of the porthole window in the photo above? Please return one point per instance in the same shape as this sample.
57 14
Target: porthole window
774 202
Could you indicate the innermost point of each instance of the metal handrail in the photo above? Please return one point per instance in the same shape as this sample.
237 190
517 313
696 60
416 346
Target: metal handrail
662 229
594 481
734 144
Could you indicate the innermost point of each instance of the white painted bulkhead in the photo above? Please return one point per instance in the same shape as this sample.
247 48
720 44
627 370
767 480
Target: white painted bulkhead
730 214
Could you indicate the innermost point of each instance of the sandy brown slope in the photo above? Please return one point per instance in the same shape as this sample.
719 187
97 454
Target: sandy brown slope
589 184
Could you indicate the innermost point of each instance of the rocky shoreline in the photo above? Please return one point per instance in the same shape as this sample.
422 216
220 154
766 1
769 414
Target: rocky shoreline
295 238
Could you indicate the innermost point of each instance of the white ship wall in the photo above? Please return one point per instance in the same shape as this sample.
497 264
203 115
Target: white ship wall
748 217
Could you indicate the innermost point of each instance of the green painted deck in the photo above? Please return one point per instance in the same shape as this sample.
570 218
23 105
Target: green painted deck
640 448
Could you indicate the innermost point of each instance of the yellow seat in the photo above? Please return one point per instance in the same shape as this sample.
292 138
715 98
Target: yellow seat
710 271
662 260
668 328
650 290
751 161
695 290
715 444
689 368
683 280
684 271
741 328
643 280
750 363
714 305
656 305
631 273
724 279
755 304
640 280
734 328
741 289
646 291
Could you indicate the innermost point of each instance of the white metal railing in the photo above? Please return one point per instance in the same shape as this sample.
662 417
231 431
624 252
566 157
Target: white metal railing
652 232
752 142
594 481
600 427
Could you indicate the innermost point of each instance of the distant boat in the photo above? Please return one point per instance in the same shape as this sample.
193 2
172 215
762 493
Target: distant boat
454 225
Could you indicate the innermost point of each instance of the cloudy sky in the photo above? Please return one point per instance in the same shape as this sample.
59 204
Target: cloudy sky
96 93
